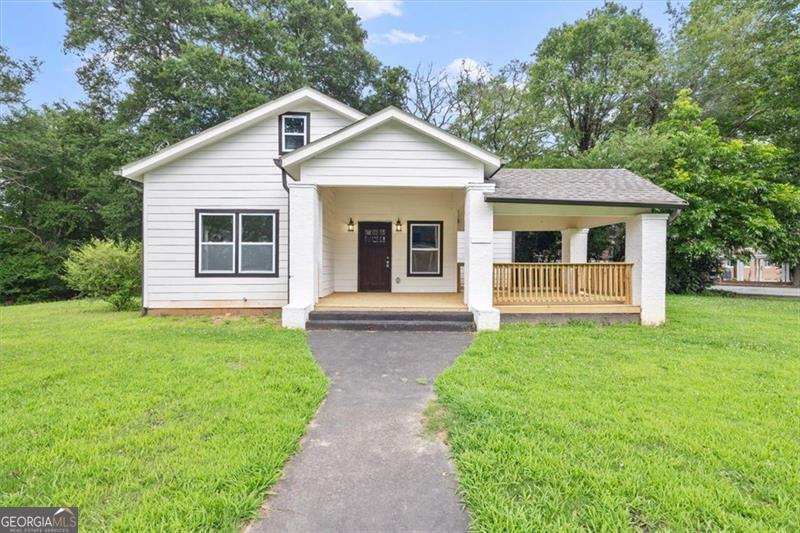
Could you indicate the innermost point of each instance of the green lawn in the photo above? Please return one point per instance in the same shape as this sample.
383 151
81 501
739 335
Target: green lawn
148 423
690 426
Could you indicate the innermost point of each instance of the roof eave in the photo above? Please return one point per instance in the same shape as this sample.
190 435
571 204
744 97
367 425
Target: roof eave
491 162
136 169
651 205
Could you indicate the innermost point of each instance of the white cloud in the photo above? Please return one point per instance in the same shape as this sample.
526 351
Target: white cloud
470 68
370 9
398 37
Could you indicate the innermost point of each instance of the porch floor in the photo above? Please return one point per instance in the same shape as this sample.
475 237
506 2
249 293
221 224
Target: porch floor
392 301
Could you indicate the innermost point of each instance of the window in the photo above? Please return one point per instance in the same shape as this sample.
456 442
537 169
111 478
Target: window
237 243
293 131
425 248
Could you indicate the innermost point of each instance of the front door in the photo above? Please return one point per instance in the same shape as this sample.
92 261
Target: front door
375 256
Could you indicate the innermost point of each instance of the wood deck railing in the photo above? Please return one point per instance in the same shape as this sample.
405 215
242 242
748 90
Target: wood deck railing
560 283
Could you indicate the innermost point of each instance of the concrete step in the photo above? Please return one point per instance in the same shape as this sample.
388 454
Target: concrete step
388 316
391 325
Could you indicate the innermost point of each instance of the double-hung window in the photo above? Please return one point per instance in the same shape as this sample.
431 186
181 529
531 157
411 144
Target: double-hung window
237 243
424 248
293 131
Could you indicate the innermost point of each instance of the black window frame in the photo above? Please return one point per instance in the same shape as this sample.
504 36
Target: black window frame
306 116
236 243
439 223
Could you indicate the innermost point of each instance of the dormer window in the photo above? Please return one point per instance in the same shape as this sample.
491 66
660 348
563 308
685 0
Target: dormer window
294 131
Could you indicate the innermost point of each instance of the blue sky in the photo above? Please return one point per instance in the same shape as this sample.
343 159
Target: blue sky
407 33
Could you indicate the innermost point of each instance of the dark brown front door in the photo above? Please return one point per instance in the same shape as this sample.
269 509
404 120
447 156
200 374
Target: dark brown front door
375 256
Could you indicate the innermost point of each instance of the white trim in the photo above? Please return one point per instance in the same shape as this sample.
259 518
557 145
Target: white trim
292 160
438 249
240 226
202 243
137 169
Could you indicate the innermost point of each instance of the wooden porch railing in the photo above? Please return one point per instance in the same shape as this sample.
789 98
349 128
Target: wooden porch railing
560 283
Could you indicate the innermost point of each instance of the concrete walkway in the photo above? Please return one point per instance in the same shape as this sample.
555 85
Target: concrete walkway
364 464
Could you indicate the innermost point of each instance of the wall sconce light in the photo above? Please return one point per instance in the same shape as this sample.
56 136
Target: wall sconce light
351 226
398 226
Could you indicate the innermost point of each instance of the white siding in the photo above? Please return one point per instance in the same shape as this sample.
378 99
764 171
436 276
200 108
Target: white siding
387 205
392 155
234 173
503 246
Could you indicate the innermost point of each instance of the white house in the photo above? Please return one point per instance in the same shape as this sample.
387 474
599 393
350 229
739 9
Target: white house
305 203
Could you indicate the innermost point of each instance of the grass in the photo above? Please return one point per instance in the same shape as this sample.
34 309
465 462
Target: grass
148 423
691 426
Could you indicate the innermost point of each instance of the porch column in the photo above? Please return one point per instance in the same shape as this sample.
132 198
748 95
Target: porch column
303 261
478 256
646 248
574 245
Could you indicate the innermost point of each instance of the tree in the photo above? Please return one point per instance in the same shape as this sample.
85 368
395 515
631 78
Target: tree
737 190
171 69
496 113
389 88
431 95
597 73
57 190
15 76
741 58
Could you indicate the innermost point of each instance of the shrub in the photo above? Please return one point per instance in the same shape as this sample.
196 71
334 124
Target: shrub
107 270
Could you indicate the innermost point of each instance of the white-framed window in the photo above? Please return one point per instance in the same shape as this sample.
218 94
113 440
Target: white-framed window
257 243
293 130
425 248
234 242
216 247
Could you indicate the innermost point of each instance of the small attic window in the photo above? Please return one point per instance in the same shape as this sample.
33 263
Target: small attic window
293 131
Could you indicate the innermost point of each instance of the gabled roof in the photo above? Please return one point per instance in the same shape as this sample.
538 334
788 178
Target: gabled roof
291 161
136 169
612 187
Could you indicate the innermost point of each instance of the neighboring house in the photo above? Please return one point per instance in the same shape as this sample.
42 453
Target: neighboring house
757 270
304 201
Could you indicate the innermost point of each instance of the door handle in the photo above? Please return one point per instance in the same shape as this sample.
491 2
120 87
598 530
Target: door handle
387 262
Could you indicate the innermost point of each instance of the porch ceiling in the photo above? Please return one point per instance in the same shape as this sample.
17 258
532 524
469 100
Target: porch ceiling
548 217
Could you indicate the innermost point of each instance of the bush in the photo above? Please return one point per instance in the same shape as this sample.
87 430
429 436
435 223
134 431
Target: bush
29 270
106 270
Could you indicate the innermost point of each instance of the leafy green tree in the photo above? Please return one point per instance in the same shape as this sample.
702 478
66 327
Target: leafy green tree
497 113
597 74
741 58
737 191
57 191
171 69
15 75
389 88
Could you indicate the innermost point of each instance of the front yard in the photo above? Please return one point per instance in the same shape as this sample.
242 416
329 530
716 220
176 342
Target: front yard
170 424
692 426
183 423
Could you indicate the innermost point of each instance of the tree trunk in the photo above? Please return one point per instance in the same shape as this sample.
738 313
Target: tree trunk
796 275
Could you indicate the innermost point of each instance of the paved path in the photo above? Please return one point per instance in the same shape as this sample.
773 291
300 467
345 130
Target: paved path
364 465
758 290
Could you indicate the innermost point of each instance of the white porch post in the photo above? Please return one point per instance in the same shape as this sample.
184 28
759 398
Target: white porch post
478 256
574 245
646 248
303 261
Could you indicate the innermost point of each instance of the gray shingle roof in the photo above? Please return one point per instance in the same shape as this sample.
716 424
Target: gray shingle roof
613 186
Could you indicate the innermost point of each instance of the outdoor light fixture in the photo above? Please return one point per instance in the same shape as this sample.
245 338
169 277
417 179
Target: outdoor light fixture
398 226
351 226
